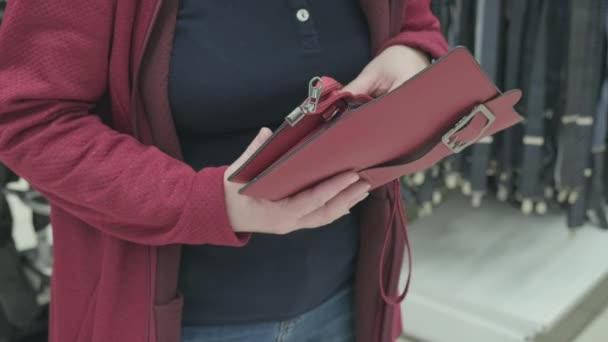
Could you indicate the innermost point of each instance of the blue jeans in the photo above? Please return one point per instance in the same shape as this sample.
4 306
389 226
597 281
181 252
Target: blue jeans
331 321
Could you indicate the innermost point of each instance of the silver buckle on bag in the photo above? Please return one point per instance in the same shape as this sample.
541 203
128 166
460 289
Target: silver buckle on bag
456 145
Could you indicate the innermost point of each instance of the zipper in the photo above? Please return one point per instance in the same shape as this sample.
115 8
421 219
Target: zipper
315 90
298 113
322 97
136 133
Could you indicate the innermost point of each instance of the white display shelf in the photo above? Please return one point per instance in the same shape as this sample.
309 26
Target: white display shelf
494 275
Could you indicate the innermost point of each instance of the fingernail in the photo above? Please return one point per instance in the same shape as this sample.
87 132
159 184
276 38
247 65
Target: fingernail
267 132
354 178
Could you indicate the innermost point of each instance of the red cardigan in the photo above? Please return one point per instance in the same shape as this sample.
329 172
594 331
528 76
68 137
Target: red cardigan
84 118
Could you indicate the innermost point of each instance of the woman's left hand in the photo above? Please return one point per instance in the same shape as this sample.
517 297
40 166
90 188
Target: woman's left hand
388 70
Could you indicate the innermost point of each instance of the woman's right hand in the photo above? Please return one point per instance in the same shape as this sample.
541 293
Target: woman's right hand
311 208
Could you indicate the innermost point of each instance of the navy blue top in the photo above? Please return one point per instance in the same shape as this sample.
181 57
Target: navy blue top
238 66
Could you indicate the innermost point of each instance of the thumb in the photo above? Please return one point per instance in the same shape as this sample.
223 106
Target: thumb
256 143
363 84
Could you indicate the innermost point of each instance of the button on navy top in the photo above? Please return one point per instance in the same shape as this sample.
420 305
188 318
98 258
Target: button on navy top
237 66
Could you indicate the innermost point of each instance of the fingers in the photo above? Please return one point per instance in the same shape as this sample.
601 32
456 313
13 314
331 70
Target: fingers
395 85
336 207
365 83
310 200
263 135
363 195
256 143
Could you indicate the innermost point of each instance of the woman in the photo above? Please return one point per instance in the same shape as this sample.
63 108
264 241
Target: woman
129 115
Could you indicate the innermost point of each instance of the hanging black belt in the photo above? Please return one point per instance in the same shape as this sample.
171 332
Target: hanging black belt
533 80
516 13
557 49
441 9
461 32
487 46
453 28
582 88
597 199
427 183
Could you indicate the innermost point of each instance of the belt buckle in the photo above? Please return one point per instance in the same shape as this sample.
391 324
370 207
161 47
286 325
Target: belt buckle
456 145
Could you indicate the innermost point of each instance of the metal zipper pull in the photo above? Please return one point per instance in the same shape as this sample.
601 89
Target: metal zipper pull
315 89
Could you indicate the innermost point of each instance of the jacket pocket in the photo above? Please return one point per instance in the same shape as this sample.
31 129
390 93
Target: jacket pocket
168 319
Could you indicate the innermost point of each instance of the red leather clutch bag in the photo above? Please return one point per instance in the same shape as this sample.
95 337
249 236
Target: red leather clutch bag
441 110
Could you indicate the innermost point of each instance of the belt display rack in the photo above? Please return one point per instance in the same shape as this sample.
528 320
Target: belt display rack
491 274
555 51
